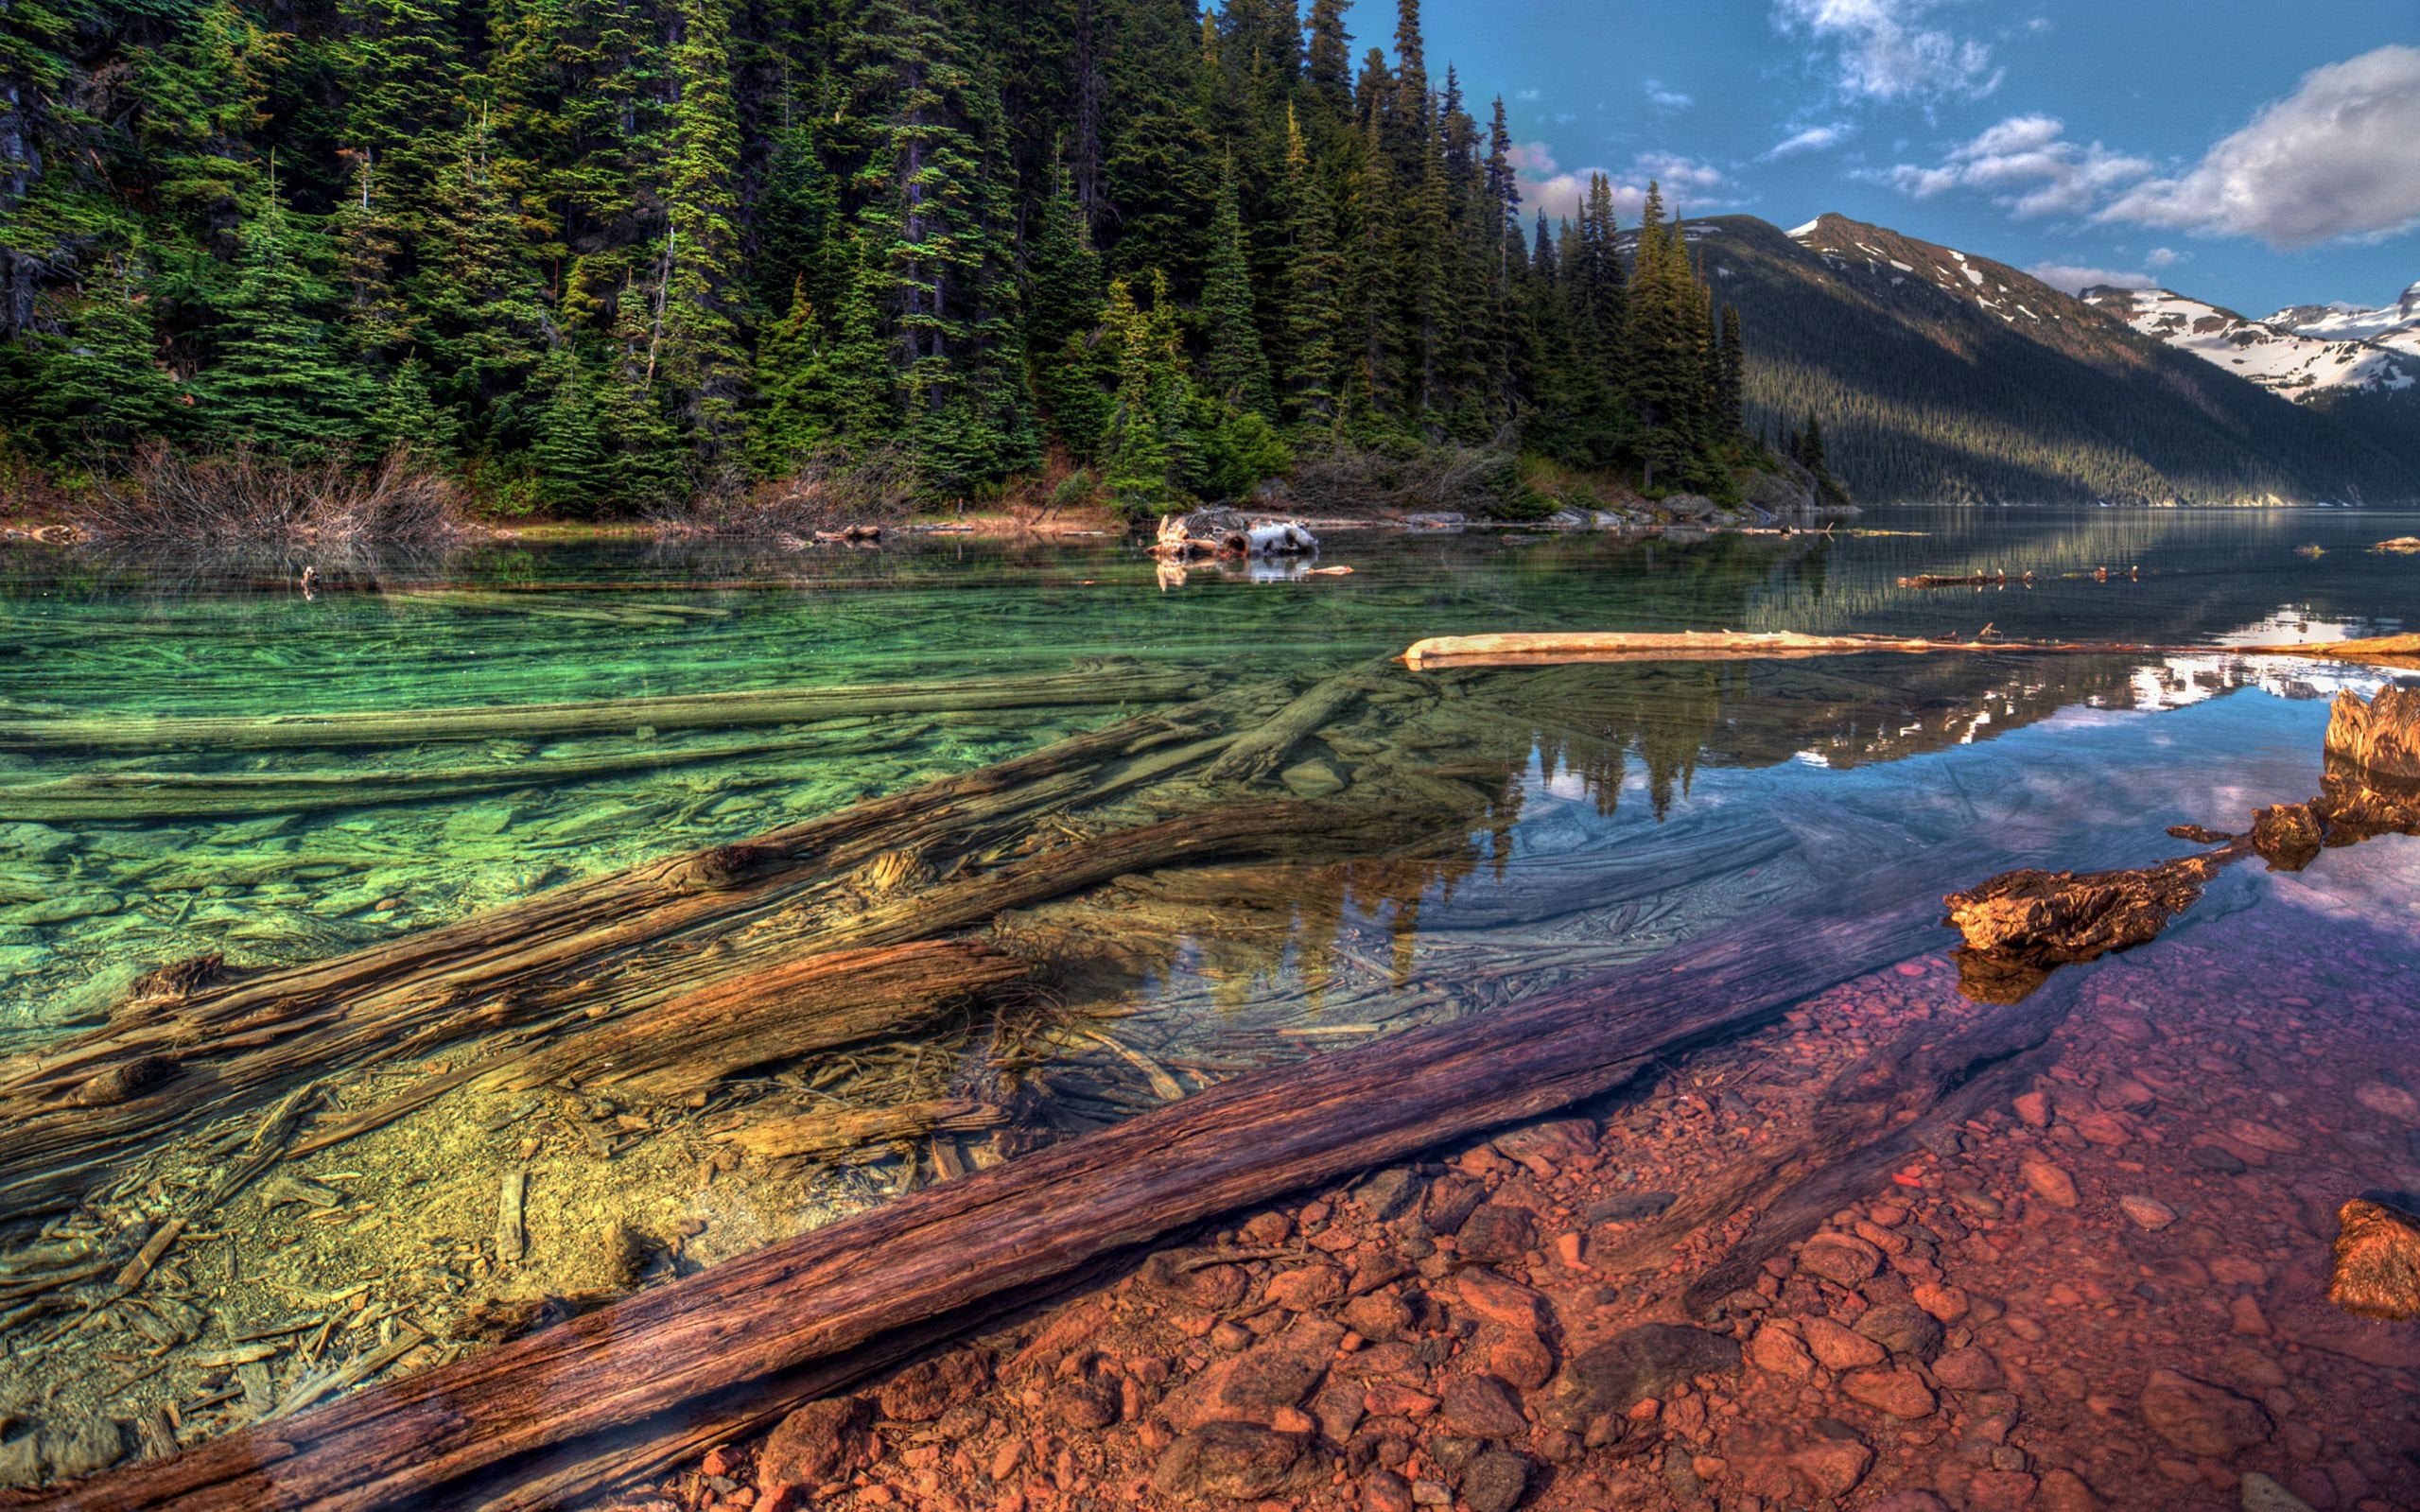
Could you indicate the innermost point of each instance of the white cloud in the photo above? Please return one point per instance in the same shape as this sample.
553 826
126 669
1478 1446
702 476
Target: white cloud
2071 279
2163 257
1814 139
2335 159
1667 99
1880 49
2028 166
1526 96
1690 185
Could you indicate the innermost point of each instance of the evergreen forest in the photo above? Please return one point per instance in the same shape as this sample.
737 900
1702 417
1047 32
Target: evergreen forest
596 256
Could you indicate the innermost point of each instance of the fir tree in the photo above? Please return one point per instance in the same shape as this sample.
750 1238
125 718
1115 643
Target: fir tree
703 358
408 419
278 377
106 390
569 454
1314 276
1238 369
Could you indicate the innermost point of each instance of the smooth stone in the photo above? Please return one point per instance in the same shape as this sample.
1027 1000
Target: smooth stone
2147 1213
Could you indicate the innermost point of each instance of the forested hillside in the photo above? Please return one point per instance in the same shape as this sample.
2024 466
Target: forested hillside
595 256
1940 374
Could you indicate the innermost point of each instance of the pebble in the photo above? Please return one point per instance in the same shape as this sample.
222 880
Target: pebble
1842 1258
2262 1494
2049 1182
2147 1213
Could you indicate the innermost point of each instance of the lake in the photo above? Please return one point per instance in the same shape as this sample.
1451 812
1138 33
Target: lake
529 720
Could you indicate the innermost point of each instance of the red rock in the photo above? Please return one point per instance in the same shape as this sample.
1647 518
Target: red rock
1387 1400
1841 1349
2064 1490
1498 1300
1521 1358
1971 1368
1833 1467
2201 1418
1780 1353
1280 1371
1305 1287
1908 1501
2244 1318
2034 1109
2000 1491
2234 1270
1339 1408
2049 1182
2262 1137
1497 1233
820 1442
926 1389
1900 1393
1385 1491
1381 1318
1236 1461
1481 1407
1842 1258
1947 1303
2103 1128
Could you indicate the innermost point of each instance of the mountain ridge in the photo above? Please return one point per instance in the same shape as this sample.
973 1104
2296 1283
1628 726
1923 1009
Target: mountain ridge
1940 373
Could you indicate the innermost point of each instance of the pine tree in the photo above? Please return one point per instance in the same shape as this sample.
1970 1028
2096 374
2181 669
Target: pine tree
569 454
1731 377
1142 461
1327 61
702 354
475 299
1238 369
278 377
1070 365
633 414
407 418
106 390
799 410
1314 276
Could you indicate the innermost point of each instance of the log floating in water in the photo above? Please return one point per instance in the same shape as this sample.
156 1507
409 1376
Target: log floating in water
1548 648
678 1362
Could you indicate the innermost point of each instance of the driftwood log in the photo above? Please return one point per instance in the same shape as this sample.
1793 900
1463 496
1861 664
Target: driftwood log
1547 648
619 1390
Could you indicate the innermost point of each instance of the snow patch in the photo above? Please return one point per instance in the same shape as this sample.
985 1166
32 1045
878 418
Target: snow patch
1807 230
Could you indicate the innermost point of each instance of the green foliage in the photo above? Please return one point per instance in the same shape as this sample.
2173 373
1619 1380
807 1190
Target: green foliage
592 253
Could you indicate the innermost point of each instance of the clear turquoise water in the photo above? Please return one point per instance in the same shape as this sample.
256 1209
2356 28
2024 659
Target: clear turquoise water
86 903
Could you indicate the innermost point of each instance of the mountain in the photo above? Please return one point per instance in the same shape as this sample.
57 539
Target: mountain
2395 325
2290 359
1940 374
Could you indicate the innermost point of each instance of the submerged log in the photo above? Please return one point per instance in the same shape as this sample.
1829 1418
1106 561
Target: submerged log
794 1009
158 795
525 722
845 1130
731 1346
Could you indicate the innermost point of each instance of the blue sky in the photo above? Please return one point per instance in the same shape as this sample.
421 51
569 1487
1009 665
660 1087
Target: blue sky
2249 152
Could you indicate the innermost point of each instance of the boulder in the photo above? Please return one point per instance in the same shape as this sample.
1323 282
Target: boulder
2375 1269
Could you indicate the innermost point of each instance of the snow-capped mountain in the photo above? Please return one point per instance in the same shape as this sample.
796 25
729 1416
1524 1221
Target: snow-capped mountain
2306 363
2396 326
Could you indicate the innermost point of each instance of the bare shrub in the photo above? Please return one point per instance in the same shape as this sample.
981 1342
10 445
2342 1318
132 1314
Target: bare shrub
1430 479
246 496
826 492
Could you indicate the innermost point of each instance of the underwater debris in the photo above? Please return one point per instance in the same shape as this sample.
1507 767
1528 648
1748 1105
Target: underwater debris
2375 1266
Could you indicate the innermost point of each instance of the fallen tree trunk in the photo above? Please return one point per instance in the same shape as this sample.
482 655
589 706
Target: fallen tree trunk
158 795
529 722
1548 648
666 1365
